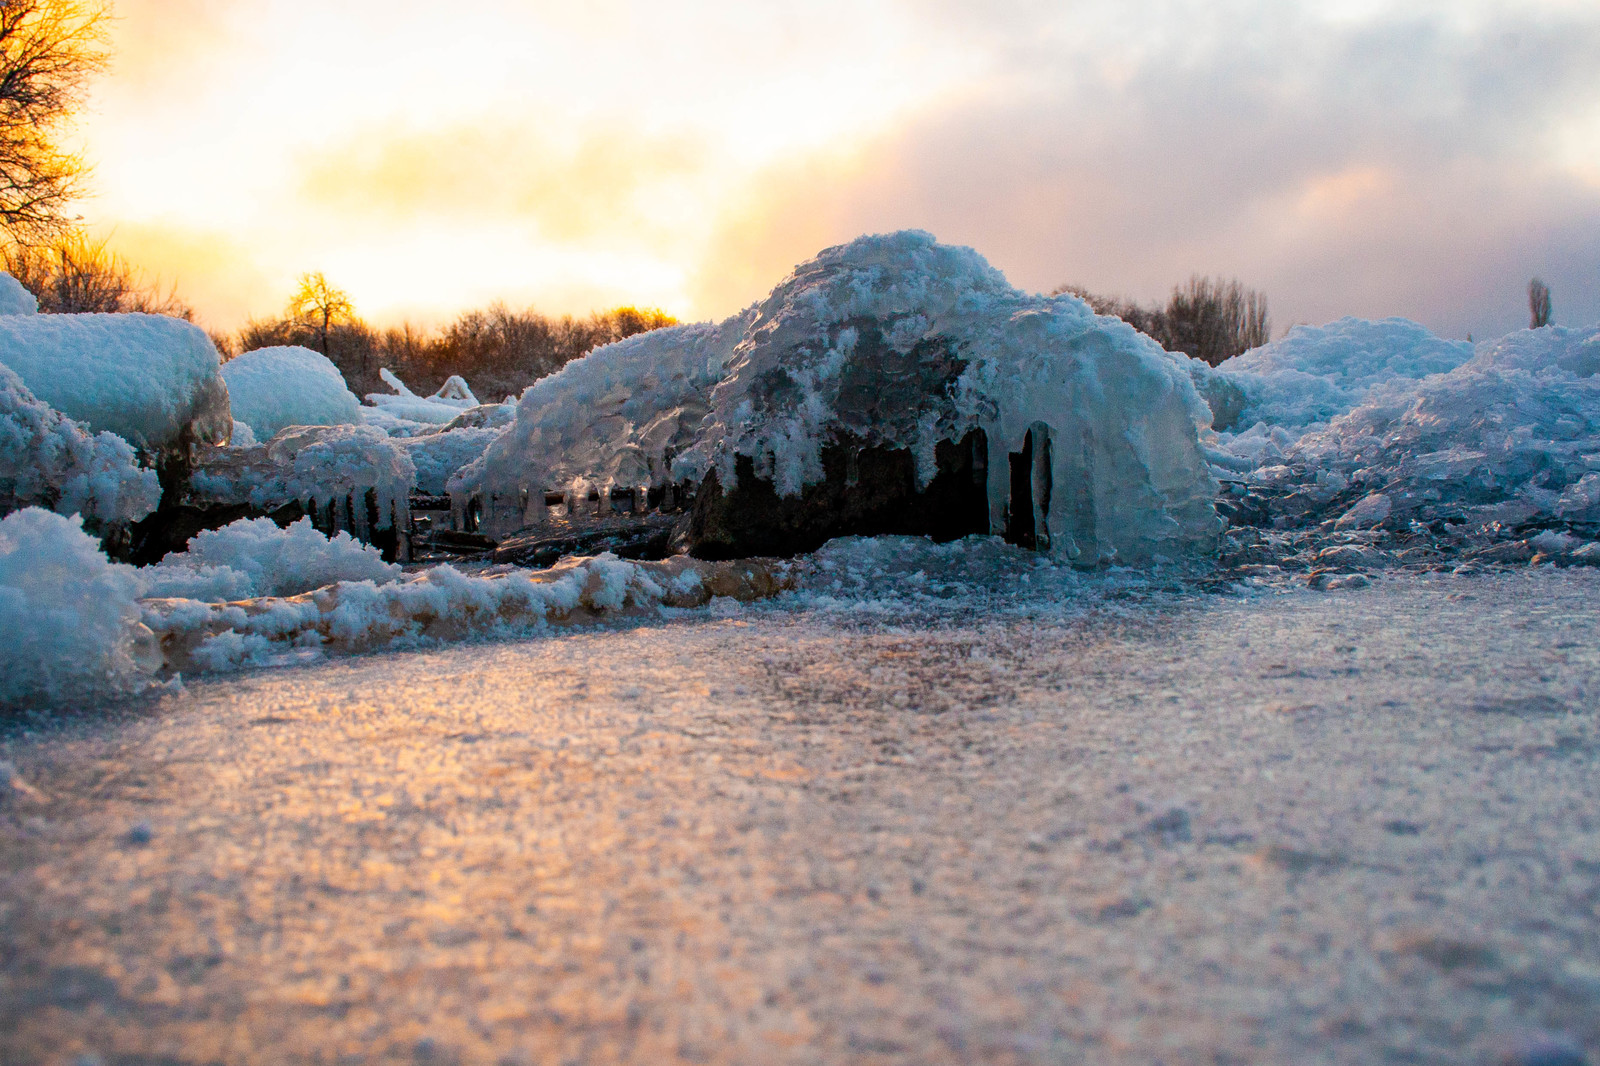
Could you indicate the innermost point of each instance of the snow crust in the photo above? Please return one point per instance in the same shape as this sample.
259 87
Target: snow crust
70 618
443 604
254 557
274 388
48 460
152 380
14 298
1316 373
323 466
437 456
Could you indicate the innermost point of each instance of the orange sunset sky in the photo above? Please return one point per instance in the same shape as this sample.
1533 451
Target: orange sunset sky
1422 159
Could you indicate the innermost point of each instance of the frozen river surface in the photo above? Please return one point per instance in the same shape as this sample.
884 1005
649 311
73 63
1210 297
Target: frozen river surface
1177 827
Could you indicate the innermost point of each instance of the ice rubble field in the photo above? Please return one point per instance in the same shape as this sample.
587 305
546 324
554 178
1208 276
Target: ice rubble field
1360 444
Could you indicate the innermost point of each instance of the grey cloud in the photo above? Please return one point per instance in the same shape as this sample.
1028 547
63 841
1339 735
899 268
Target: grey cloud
1198 145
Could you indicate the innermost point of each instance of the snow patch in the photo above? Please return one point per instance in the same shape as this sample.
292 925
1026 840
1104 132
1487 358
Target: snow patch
274 388
70 618
152 380
14 298
254 557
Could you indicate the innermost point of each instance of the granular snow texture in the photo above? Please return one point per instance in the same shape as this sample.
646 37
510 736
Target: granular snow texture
274 388
254 557
71 624
48 460
154 381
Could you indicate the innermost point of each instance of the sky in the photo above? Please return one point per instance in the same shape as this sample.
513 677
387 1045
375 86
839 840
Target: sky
1362 157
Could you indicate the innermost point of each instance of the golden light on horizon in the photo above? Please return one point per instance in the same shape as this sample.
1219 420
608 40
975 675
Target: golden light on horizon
573 157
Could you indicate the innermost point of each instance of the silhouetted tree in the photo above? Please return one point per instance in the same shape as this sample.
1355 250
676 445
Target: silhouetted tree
73 274
1538 304
1208 319
48 51
321 306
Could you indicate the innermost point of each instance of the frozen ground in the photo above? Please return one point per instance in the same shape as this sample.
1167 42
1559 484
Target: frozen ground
1359 826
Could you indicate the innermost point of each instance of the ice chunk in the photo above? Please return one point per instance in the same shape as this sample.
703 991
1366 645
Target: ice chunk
615 418
899 342
273 388
254 557
1317 373
403 404
153 381
330 468
1517 426
48 460
71 622
439 455
14 299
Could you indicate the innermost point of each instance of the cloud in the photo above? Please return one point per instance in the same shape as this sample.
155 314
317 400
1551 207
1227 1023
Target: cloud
1398 163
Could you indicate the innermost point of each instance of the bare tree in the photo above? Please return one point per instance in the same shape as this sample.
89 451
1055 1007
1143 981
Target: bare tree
1538 304
48 51
321 306
75 274
1208 319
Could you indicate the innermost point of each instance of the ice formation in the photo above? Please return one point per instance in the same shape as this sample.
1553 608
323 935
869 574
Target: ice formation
48 460
71 623
403 405
439 455
273 388
615 418
1317 373
330 469
898 341
445 604
893 342
254 557
14 299
1512 435
152 380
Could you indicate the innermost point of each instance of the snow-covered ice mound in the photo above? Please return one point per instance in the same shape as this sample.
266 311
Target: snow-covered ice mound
274 388
615 418
900 342
329 469
254 557
890 343
152 380
1512 435
1317 373
14 299
71 623
48 460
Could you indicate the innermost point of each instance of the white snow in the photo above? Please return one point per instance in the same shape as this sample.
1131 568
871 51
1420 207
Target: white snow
150 379
48 460
253 557
1317 373
71 624
273 388
616 417
323 466
14 299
